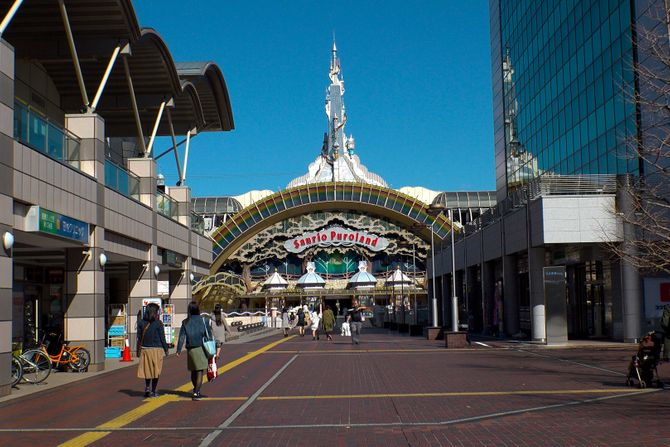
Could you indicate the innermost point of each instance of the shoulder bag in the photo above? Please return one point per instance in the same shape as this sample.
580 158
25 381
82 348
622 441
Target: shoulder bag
144 332
208 344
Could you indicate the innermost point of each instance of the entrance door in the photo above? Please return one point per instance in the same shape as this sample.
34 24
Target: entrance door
586 308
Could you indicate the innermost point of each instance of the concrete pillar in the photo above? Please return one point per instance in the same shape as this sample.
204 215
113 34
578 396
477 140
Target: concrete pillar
631 284
6 209
85 294
90 127
180 295
510 295
537 307
182 194
143 284
488 287
617 301
145 169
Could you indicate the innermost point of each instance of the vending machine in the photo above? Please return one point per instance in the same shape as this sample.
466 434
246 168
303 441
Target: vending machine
168 320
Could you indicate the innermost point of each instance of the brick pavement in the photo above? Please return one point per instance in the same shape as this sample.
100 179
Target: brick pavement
388 391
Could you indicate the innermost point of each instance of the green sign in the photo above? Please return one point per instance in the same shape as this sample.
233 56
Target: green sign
63 226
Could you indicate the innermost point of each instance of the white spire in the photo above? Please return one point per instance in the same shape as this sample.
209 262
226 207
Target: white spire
337 162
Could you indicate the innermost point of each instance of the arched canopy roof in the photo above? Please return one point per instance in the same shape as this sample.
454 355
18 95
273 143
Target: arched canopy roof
215 205
379 201
467 199
208 80
37 33
155 79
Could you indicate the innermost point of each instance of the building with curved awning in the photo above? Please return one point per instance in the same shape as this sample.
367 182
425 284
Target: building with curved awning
95 233
327 222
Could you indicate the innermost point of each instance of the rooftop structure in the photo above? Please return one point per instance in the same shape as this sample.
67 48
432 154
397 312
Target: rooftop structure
337 161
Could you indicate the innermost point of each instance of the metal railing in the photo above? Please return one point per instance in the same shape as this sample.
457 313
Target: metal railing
198 223
36 131
121 180
545 185
166 205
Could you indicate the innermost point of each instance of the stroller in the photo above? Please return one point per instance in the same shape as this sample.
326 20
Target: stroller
643 365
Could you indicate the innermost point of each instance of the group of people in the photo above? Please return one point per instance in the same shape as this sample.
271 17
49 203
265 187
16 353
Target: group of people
312 318
152 346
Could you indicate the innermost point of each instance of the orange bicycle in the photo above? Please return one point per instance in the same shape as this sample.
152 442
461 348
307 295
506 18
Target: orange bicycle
77 358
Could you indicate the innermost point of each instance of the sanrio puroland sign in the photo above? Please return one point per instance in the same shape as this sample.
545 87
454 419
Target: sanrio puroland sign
336 236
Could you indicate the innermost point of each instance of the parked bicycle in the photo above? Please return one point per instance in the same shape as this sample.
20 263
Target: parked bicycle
17 372
35 363
61 354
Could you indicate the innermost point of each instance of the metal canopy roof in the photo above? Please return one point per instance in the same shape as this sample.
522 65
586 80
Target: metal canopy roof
37 33
208 80
456 200
215 205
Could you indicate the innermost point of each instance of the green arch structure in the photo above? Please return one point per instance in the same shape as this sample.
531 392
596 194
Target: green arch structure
408 212
226 284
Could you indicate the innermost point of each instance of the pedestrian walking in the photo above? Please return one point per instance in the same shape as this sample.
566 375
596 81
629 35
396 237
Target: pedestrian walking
285 323
301 322
355 319
665 327
315 319
151 348
220 330
192 331
328 322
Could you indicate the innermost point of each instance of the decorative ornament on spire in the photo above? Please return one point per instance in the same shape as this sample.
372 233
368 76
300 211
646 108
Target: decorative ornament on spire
337 162
335 66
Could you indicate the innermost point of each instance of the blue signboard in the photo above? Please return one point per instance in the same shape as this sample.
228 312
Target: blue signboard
45 221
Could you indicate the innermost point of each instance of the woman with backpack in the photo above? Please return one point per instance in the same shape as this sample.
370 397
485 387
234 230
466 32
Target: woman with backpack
301 322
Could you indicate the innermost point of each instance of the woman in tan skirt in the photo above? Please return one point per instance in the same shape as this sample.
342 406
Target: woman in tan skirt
151 348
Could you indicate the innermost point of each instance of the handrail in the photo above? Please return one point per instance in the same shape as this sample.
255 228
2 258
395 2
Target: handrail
197 223
37 132
121 180
166 205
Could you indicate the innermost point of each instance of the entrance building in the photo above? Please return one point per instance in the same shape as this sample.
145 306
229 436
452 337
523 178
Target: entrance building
337 217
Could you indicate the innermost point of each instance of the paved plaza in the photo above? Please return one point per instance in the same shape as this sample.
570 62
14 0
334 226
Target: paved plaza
388 391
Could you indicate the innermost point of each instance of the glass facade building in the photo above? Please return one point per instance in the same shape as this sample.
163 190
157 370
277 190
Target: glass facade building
562 88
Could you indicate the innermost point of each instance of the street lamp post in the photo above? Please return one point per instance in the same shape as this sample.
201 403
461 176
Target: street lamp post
454 298
432 254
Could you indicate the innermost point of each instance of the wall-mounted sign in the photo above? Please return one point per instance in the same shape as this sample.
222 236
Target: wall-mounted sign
656 296
163 287
169 257
336 236
45 221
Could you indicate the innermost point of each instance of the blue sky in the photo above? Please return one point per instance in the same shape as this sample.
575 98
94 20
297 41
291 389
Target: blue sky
417 78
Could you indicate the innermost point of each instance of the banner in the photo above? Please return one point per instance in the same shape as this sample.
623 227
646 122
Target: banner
336 236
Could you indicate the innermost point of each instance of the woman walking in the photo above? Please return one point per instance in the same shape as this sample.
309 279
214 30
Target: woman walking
315 319
151 348
192 331
220 329
285 321
301 322
328 322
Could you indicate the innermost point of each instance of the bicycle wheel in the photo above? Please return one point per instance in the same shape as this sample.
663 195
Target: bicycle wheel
81 358
36 365
17 372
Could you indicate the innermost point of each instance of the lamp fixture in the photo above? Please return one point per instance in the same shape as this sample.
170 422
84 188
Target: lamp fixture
157 270
8 240
191 276
102 259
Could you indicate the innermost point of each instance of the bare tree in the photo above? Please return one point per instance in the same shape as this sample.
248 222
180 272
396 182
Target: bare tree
644 200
